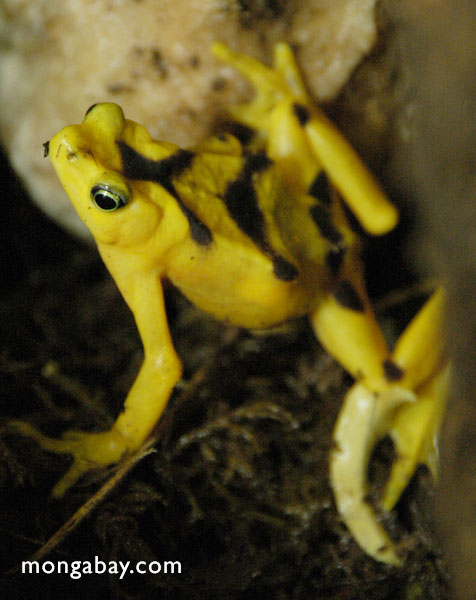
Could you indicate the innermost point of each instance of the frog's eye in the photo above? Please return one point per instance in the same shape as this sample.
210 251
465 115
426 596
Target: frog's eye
108 199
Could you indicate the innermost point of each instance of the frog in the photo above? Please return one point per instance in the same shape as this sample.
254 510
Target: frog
256 233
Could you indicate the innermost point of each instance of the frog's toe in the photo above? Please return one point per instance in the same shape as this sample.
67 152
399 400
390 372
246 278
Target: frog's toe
413 421
414 431
89 450
45 442
272 84
77 469
358 426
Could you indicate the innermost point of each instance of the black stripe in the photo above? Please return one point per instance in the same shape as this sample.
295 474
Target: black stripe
242 203
392 371
347 296
320 189
163 172
302 113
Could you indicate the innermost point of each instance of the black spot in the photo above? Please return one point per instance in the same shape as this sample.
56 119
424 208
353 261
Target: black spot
91 108
302 113
46 149
322 218
256 162
243 133
163 172
283 269
334 259
198 230
347 296
320 189
392 371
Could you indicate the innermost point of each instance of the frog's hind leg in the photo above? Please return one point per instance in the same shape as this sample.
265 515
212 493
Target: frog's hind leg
345 324
415 427
279 91
272 114
272 84
409 410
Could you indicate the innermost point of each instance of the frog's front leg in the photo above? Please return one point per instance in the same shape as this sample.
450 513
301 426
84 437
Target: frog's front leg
146 400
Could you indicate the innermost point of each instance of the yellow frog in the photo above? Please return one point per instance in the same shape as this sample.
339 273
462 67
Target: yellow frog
255 235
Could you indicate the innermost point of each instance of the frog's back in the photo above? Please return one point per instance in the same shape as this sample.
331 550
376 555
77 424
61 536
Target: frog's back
246 200
252 239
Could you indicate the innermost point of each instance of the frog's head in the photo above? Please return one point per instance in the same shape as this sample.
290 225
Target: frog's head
88 162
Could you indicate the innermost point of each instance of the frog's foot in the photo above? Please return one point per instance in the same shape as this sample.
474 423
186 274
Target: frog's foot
409 411
272 84
362 418
413 422
89 450
414 431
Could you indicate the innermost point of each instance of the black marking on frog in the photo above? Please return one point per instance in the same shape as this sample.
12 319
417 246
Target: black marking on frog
283 269
392 371
302 113
334 259
241 201
321 189
163 172
347 296
323 220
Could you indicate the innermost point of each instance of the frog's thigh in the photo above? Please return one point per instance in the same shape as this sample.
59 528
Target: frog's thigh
358 187
346 326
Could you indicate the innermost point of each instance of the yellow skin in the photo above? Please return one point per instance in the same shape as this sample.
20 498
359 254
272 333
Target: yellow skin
255 236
